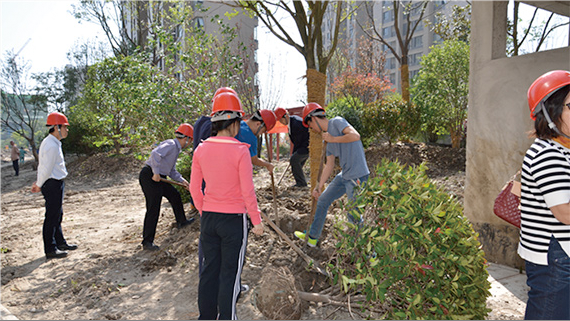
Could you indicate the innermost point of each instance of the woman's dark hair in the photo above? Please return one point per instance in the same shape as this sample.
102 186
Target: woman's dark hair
222 124
554 106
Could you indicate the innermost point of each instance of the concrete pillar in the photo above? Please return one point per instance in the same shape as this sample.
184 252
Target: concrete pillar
498 123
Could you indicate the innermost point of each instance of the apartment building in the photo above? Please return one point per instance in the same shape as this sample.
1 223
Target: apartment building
137 13
383 15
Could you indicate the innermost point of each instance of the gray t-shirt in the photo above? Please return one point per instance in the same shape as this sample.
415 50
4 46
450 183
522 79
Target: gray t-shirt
351 155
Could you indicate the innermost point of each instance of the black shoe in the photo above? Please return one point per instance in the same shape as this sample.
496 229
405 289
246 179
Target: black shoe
56 255
186 223
67 247
150 247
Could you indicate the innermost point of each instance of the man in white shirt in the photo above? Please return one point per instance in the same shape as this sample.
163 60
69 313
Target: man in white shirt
50 181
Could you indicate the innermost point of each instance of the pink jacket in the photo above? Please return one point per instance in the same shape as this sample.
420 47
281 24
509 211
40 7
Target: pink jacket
224 163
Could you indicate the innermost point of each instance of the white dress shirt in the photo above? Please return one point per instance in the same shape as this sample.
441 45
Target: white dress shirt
52 164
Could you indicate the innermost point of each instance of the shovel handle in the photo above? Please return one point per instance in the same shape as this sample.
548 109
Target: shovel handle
172 182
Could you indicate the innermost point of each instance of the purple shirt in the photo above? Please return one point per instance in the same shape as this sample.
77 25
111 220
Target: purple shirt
163 159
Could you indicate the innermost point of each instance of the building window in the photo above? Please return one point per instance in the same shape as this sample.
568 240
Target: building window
417 42
414 60
413 73
199 22
388 32
388 16
391 63
392 78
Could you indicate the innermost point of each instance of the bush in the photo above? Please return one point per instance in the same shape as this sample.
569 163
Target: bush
184 167
416 256
349 108
391 119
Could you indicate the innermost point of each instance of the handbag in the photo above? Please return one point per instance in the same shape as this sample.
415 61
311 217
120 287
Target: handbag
507 203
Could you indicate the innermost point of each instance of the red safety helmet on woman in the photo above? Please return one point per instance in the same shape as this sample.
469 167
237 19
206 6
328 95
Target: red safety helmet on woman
56 118
226 106
312 109
543 87
224 90
186 130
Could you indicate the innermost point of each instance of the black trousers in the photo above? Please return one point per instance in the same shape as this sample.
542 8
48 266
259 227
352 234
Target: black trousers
52 190
297 161
16 166
224 242
153 193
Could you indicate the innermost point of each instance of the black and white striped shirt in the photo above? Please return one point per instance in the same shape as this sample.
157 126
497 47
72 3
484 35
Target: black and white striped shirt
545 182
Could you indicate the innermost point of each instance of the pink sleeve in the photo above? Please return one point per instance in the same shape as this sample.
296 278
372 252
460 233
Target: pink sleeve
247 188
195 186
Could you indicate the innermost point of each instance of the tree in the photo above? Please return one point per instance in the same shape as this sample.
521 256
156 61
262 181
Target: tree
308 17
23 111
369 60
441 88
368 88
457 26
531 32
410 10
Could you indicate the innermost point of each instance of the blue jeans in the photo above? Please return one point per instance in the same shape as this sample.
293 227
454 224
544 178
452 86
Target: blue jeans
337 188
549 295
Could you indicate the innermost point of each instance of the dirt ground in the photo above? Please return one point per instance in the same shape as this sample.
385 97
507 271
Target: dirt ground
111 277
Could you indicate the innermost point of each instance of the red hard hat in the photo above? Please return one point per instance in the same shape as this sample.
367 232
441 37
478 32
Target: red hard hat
543 87
224 90
186 130
226 102
268 117
310 109
280 112
56 118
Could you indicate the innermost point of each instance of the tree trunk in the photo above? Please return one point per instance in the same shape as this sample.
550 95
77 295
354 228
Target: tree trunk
316 86
405 82
455 138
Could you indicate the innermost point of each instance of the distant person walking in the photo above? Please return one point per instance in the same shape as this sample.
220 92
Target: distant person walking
22 155
15 157
50 181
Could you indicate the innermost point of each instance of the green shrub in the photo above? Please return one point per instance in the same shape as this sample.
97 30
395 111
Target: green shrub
416 256
349 108
391 119
184 167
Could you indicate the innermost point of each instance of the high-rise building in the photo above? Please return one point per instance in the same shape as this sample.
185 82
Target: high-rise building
139 14
383 15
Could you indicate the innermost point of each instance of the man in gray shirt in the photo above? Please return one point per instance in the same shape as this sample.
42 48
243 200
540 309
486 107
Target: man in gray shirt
162 163
343 142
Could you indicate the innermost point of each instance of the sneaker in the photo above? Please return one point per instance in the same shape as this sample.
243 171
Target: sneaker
300 235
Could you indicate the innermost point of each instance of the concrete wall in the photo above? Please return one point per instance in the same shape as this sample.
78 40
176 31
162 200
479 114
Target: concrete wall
498 123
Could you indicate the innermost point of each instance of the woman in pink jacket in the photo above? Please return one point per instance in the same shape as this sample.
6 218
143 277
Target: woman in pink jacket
224 164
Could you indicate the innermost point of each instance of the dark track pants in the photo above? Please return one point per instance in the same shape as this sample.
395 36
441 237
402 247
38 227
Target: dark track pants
153 193
16 166
52 190
224 241
297 161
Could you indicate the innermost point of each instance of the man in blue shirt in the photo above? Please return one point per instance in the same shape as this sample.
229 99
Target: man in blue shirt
260 122
162 163
343 142
299 136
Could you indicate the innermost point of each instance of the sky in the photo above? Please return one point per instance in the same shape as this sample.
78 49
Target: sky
45 31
